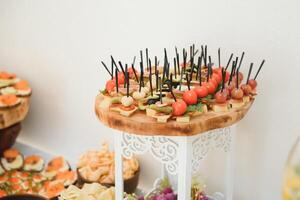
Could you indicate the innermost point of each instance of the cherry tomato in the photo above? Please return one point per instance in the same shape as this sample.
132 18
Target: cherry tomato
241 76
227 75
252 83
179 107
110 85
217 70
190 97
231 86
217 77
214 81
121 78
237 93
227 92
201 91
246 89
211 88
221 97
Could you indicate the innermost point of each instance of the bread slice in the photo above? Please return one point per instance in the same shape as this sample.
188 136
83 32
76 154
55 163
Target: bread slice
126 113
217 107
236 103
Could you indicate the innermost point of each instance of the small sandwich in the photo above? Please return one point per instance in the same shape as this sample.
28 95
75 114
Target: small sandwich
12 160
8 90
58 164
7 79
9 100
22 88
52 189
33 163
161 112
67 178
126 108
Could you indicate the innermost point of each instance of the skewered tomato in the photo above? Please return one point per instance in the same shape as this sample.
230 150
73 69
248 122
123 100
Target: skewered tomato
179 107
221 96
252 83
237 93
214 81
227 75
246 89
121 78
190 97
217 77
201 91
211 88
110 85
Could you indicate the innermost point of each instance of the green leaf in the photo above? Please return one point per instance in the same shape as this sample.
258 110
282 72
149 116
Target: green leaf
196 107
103 91
165 109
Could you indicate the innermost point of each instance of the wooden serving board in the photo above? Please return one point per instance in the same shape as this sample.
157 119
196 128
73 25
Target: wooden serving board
15 114
139 123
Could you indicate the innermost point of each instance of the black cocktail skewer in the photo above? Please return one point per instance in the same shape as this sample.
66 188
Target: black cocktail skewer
223 79
229 61
175 68
147 59
262 63
232 72
156 79
141 76
127 79
122 68
199 68
155 63
242 57
134 71
150 67
237 77
171 88
150 81
188 81
205 55
117 81
160 90
219 57
178 64
249 73
114 62
107 69
192 68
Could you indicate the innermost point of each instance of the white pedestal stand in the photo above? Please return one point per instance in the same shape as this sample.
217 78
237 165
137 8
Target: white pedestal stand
180 155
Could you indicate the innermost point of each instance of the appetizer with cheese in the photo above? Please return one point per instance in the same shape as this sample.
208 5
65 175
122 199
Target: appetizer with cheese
178 90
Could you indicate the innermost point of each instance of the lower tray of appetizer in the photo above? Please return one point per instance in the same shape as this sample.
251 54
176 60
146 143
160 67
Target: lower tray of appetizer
98 166
30 175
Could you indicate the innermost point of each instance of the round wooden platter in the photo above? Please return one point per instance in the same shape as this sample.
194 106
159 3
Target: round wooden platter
12 115
139 123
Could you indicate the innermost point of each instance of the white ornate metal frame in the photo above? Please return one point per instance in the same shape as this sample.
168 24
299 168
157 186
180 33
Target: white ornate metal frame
190 151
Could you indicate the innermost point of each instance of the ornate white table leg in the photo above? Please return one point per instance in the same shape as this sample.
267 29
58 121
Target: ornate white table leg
184 168
229 181
118 167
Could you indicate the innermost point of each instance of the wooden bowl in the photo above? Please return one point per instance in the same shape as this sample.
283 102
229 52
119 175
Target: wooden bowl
130 185
8 136
23 197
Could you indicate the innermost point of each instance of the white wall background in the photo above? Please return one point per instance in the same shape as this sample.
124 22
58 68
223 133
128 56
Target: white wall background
57 46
